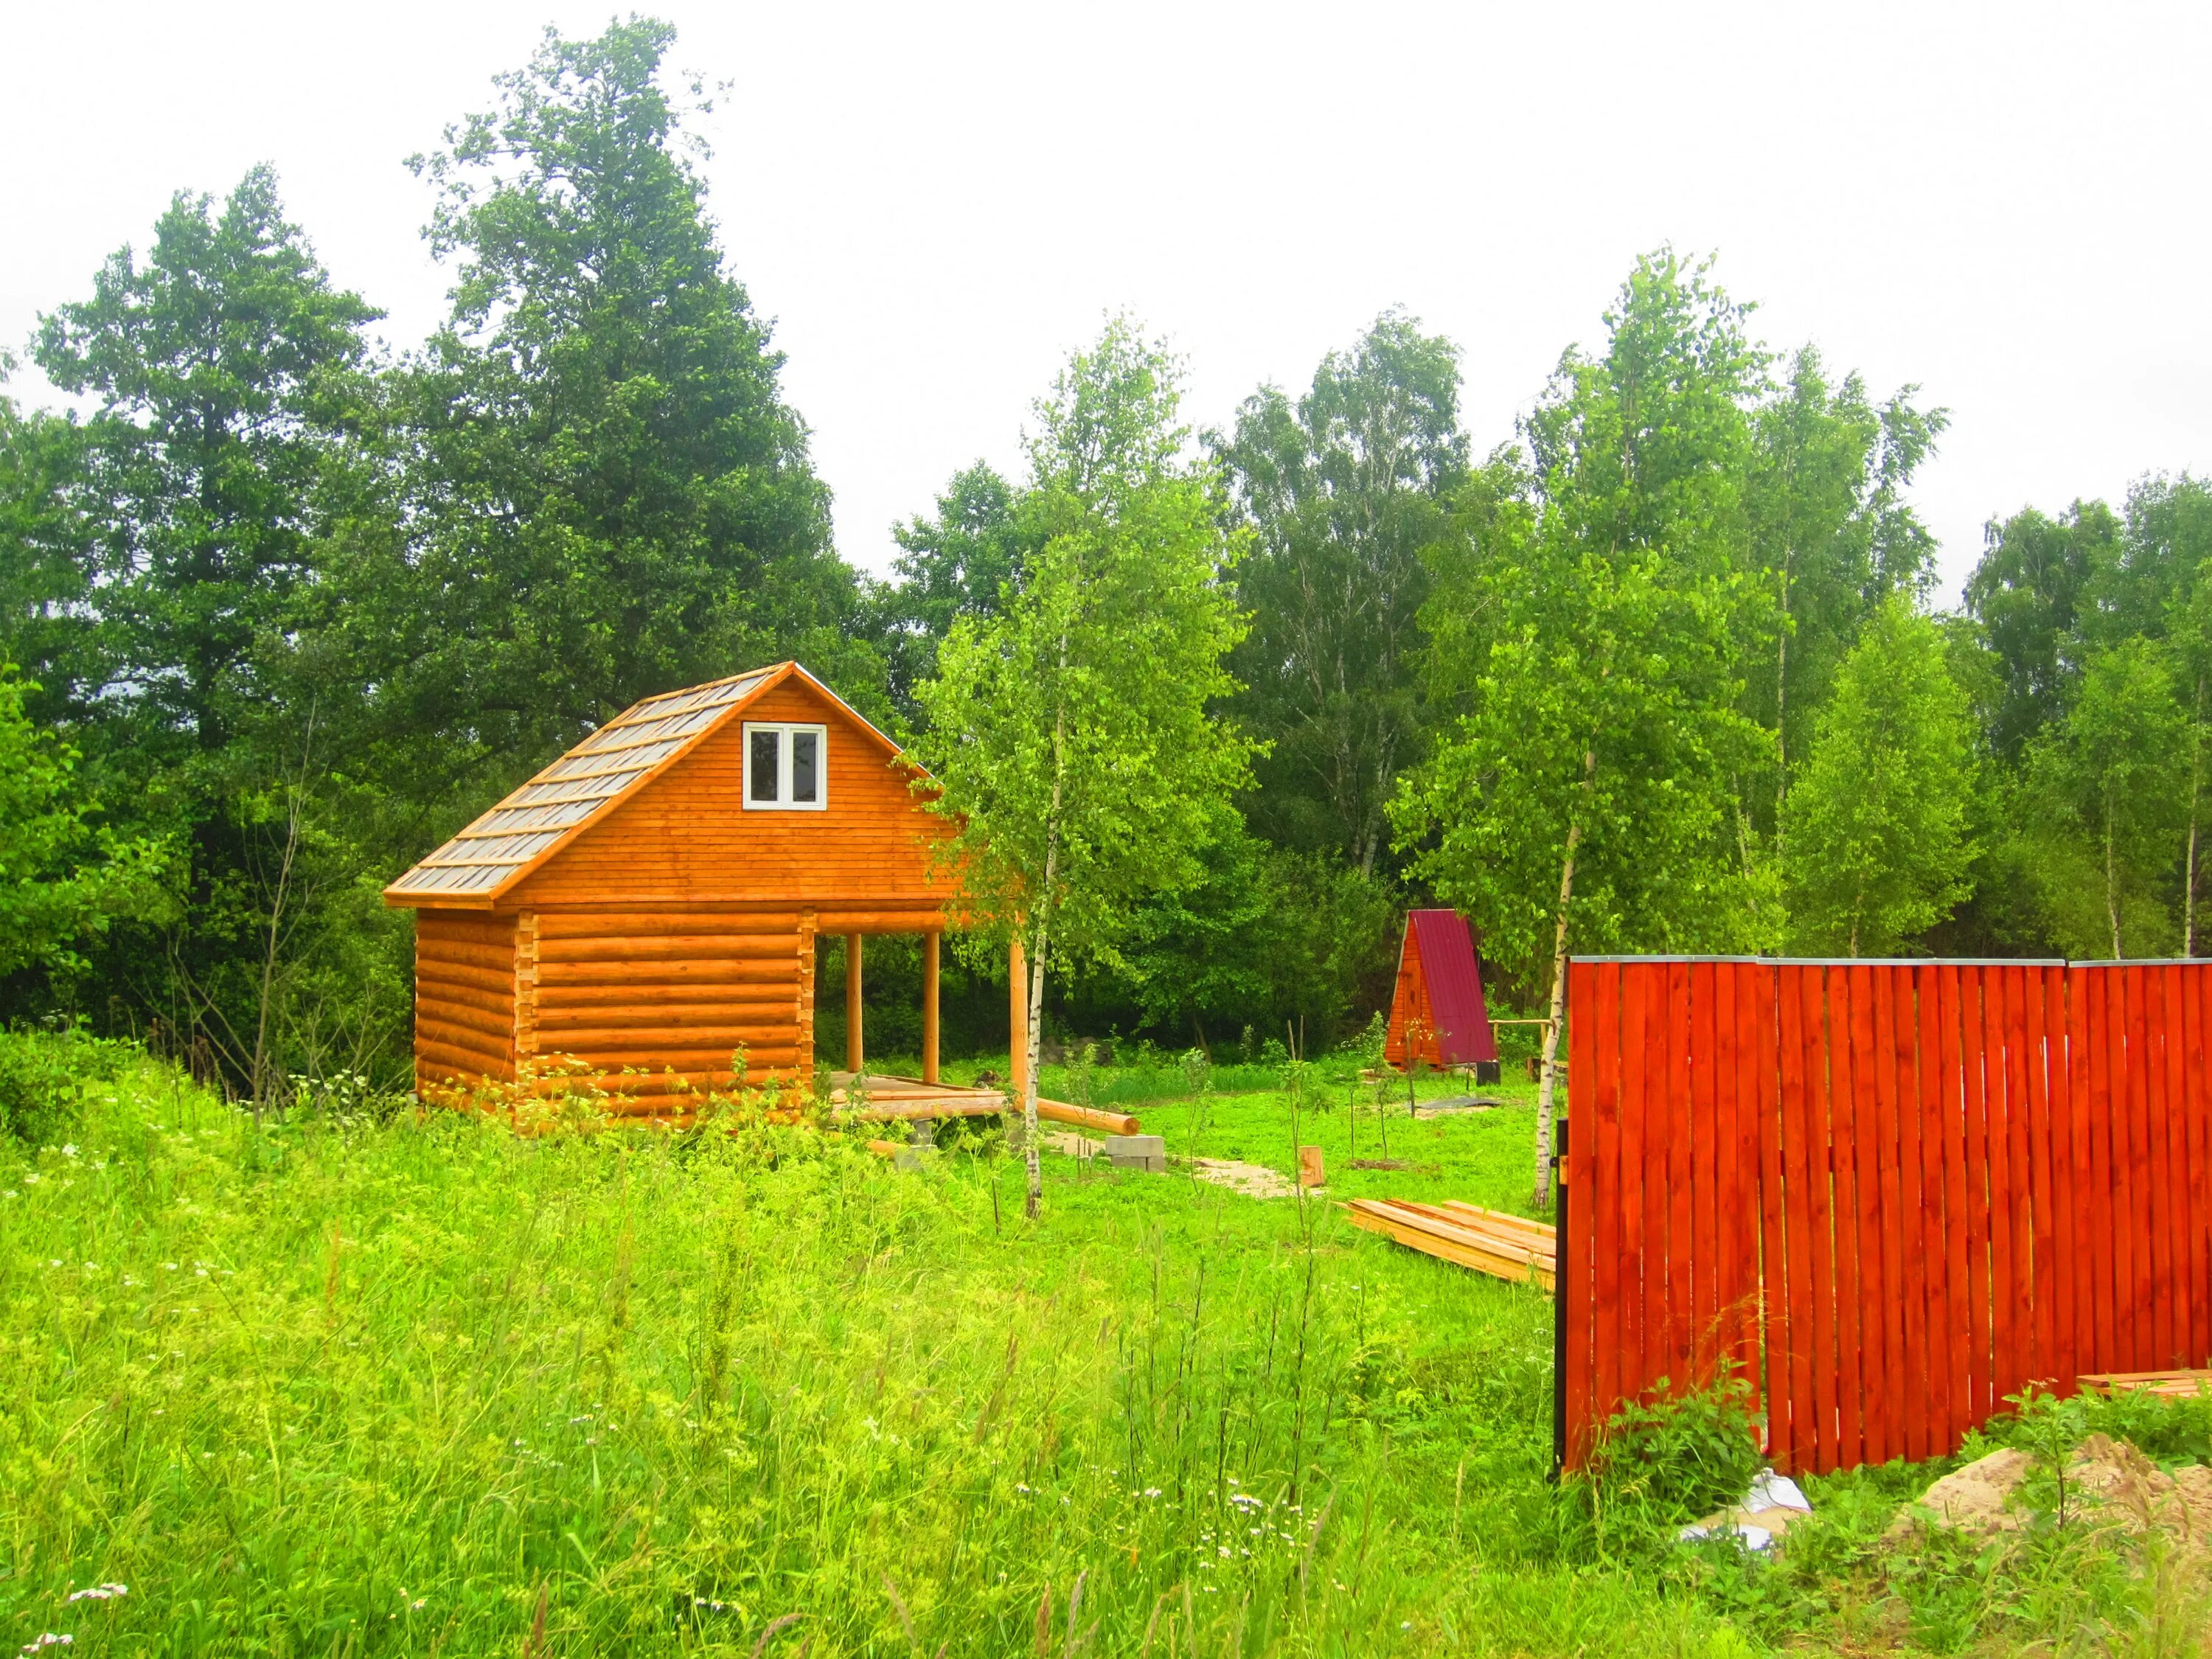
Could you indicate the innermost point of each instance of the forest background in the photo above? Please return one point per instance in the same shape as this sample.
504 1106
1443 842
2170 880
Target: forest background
1660 669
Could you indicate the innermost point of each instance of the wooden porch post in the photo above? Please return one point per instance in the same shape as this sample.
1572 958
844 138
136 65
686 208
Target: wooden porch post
853 1050
1018 1068
929 1007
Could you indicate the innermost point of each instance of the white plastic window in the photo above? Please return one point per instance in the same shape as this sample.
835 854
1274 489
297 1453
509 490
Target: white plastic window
786 768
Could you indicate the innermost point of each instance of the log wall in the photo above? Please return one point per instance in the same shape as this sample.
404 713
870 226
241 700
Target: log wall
649 991
464 997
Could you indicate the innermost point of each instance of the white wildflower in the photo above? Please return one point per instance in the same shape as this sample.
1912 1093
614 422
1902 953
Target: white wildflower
49 1640
102 1593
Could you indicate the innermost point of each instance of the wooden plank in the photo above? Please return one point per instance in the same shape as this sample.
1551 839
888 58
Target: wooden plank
1958 1307
1704 1144
1740 1056
2080 1198
1974 1085
2194 981
1773 1283
1928 1049
1658 1348
2172 1105
1574 1297
2005 1368
2141 1180
1896 1383
1635 998
1729 1255
1466 1247
2060 1271
1606 1188
1539 1236
2043 1233
1913 1219
2017 1307
1875 1399
1682 1313
1798 1448
2108 1153
1830 1346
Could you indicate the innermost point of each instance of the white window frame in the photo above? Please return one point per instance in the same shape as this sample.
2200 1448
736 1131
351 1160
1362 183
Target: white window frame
783 802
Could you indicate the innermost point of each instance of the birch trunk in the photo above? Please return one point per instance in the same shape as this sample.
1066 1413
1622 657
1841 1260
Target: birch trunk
1034 1199
1548 1089
2112 885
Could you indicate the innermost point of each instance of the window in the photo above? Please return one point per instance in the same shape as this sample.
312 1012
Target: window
784 768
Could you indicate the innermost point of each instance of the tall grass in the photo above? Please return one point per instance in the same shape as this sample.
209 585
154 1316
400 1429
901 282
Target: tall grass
331 1386
315 1387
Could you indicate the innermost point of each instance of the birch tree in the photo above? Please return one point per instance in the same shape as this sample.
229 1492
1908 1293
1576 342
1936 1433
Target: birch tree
1069 737
1588 798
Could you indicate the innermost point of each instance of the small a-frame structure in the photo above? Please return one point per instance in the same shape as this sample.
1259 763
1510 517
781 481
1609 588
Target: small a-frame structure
647 906
1438 1000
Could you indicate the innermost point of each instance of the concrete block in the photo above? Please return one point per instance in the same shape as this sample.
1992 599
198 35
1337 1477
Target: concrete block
1147 1152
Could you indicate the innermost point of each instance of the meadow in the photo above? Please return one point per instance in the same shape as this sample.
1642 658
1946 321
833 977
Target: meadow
372 1382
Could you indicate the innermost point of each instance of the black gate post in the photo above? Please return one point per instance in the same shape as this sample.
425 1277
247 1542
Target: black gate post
1561 1278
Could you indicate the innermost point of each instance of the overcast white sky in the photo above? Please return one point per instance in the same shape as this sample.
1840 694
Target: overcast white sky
2005 204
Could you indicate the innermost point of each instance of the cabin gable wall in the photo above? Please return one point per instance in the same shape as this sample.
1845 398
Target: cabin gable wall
685 835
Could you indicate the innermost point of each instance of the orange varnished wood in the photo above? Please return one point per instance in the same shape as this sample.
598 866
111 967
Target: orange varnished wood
686 832
680 929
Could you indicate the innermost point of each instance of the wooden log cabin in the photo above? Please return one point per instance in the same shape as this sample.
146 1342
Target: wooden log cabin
650 903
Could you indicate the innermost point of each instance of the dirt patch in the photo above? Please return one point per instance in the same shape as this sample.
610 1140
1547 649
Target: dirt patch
2108 1483
1253 1180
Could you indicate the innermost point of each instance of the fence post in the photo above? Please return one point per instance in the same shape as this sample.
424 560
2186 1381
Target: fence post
1562 1279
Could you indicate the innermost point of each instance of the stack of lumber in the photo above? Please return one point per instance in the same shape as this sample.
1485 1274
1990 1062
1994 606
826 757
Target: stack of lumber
1489 1241
2174 1385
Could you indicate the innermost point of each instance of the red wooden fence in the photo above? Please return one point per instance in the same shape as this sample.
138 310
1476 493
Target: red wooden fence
1888 1193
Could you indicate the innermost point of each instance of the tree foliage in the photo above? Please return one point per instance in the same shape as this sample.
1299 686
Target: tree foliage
1069 739
1345 490
1879 846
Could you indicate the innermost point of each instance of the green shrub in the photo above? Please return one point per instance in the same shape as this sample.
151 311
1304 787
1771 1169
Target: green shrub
1656 1467
42 1083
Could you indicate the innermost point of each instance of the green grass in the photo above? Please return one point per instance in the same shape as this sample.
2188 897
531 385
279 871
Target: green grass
313 1387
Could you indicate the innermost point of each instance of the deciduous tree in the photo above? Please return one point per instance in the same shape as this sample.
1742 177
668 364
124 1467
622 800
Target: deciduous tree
1070 740
1878 848
1588 800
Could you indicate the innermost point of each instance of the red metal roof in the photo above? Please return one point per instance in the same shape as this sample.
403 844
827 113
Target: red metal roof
1454 983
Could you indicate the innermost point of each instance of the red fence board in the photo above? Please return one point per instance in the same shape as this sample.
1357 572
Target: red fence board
1885 1195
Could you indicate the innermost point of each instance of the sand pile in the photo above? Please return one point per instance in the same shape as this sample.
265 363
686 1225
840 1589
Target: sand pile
2108 1483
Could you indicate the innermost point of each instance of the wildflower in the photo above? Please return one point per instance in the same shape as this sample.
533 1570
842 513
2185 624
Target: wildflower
418 1604
49 1640
199 1273
30 1178
168 1266
102 1593
68 1152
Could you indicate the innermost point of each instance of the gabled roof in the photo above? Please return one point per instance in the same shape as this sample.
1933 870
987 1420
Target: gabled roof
586 784
1454 980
